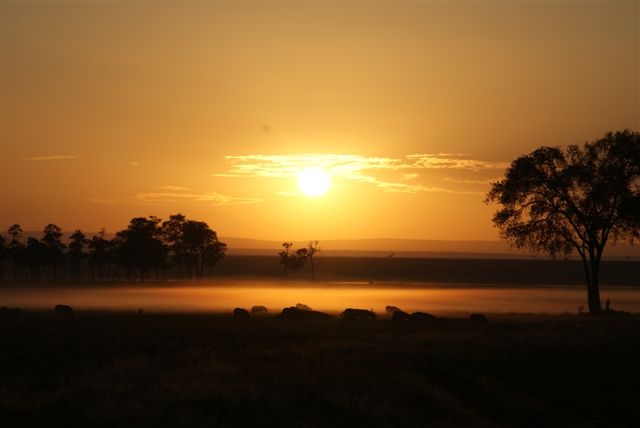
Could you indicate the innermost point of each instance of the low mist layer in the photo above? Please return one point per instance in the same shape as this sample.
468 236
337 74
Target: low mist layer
328 297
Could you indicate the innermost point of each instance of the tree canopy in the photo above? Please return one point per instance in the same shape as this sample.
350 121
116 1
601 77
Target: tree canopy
558 201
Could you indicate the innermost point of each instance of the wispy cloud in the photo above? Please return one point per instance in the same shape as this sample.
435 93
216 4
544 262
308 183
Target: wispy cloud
468 181
391 174
170 194
183 194
50 158
176 188
452 161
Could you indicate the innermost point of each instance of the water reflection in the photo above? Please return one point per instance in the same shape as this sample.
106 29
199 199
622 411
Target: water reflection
329 297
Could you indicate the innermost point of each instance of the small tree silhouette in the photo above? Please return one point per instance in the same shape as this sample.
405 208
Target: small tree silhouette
16 249
294 261
52 239
4 254
101 257
35 256
77 244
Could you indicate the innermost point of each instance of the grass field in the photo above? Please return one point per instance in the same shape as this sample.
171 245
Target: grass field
124 369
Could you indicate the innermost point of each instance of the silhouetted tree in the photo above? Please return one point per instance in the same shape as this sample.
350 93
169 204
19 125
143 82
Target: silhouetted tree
16 248
311 250
100 257
172 231
556 201
203 247
35 256
52 239
294 261
193 246
77 244
140 248
630 209
4 254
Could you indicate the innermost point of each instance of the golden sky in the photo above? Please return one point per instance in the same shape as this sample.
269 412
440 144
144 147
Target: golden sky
112 110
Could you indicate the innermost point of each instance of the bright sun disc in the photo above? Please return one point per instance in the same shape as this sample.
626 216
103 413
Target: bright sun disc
313 182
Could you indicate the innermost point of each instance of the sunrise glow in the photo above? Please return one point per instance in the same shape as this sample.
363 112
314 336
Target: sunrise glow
266 108
314 182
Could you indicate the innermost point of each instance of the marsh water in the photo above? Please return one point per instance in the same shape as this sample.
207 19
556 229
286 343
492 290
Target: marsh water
333 297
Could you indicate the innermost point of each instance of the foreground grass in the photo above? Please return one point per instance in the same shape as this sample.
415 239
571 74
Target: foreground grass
122 369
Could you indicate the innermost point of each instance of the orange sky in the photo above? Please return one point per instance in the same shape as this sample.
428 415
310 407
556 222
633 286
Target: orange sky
112 110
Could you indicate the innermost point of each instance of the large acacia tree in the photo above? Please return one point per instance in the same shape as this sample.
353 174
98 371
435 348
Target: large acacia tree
558 201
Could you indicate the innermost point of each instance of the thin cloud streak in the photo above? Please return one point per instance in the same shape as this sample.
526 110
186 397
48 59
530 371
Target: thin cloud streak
177 188
213 198
170 194
365 169
50 158
472 182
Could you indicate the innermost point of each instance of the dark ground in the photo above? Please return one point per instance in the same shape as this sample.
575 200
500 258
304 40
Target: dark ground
124 369
511 272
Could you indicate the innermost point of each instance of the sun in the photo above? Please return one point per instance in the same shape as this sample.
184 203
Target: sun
314 182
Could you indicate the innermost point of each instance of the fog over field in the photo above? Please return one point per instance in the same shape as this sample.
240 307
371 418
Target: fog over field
223 296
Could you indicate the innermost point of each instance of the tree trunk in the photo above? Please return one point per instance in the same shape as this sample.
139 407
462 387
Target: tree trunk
313 269
594 298
594 286
591 272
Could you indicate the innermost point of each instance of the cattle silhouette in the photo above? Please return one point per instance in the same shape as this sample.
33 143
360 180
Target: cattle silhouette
241 314
478 318
259 310
303 307
63 311
358 314
399 316
7 313
293 312
390 310
422 317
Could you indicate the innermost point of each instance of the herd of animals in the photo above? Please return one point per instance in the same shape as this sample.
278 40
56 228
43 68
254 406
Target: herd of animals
300 311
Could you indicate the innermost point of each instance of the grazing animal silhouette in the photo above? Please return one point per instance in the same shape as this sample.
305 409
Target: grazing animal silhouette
307 314
241 313
7 313
63 310
355 314
479 318
422 317
391 309
303 307
259 310
399 316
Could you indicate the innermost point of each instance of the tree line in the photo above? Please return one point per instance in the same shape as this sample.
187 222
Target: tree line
148 249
